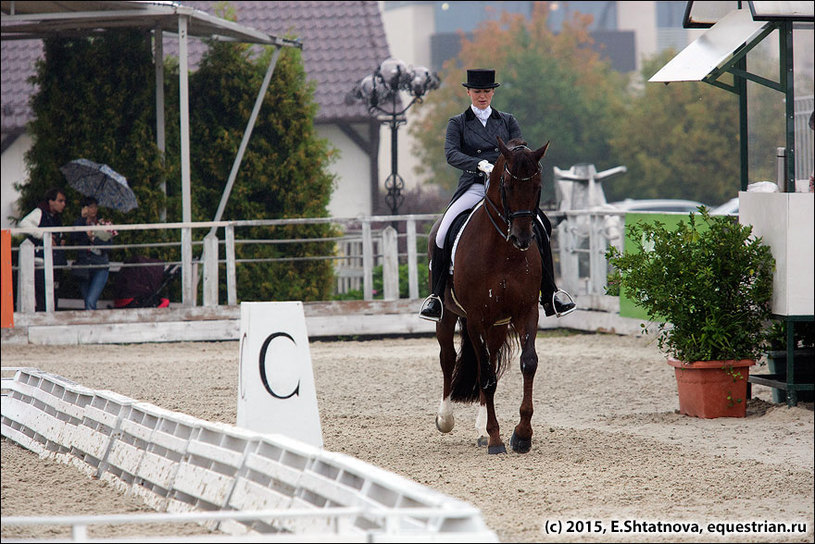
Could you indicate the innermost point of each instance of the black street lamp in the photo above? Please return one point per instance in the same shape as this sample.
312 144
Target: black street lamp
381 92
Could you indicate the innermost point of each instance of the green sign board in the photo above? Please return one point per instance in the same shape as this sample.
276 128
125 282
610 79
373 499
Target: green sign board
628 308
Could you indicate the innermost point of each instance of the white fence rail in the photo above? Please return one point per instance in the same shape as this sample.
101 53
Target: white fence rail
579 242
250 484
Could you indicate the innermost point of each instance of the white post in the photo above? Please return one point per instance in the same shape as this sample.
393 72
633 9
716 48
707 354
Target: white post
48 257
25 278
367 261
598 268
413 271
210 270
569 258
390 263
231 280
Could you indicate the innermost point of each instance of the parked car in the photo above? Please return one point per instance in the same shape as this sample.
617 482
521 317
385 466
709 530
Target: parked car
731 207
657 205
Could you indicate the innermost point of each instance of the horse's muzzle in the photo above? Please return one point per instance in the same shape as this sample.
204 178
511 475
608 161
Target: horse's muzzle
521 242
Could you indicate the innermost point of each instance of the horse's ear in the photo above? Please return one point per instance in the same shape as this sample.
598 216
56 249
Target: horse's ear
539 153
502 147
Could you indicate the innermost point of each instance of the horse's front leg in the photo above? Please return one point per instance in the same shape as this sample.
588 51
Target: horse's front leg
521 440
445 331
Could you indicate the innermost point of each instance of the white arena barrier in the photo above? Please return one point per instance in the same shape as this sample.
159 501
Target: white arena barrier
243 483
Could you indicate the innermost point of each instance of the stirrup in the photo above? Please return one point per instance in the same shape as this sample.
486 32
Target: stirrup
571 300
427 302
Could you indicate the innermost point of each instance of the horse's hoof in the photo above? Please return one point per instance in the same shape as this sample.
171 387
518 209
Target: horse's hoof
500 448
445 425
482 441
520 445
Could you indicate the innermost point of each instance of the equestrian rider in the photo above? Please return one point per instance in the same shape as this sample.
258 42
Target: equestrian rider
472 147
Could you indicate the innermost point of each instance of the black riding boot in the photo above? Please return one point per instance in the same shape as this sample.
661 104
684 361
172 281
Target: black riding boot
549 291
432 308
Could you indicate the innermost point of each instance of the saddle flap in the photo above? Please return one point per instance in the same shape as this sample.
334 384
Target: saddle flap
457 227
452 232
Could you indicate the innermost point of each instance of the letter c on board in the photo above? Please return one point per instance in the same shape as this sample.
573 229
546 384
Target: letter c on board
263 377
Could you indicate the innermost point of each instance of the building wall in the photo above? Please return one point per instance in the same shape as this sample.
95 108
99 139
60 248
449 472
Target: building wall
13 171
640 18
352 194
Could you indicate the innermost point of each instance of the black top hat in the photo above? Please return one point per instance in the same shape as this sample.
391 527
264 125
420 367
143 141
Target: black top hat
481 78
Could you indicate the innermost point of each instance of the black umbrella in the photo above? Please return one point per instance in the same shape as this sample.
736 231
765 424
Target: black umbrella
109 188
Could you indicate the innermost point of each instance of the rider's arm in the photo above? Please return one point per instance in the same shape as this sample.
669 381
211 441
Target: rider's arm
452 147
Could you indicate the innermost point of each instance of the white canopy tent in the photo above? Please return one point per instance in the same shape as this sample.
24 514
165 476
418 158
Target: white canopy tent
25 20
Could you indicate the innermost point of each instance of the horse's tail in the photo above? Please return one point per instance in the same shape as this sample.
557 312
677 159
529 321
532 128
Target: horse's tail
465 374
464 386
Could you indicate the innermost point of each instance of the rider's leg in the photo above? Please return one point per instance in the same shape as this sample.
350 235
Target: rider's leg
439 263
549 291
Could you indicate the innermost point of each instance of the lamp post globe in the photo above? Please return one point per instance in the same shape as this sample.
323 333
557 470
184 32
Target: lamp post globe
381 92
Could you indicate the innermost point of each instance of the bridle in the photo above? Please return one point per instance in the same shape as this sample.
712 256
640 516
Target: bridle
508 215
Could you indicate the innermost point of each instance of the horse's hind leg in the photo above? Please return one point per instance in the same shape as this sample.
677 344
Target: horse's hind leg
445 331
488 383
481 421
521 440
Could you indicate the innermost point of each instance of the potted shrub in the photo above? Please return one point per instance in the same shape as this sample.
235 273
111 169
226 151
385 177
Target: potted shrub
708 284
803 356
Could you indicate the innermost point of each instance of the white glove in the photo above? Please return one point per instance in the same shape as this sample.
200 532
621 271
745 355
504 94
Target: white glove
485 166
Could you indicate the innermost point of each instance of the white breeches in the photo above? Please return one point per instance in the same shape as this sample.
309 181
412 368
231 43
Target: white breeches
466 201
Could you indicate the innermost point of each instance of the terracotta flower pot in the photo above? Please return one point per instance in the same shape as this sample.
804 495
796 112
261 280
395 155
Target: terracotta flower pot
709 389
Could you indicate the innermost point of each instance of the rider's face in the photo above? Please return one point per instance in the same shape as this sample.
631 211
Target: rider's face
481 98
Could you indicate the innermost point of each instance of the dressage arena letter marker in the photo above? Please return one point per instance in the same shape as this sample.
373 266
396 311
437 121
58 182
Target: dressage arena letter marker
276 392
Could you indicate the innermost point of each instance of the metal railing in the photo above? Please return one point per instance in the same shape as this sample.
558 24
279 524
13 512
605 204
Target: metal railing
365 243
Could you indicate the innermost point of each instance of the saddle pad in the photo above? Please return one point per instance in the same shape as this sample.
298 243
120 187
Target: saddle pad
458 235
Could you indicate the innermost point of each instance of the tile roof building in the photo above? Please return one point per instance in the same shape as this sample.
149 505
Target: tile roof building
342 42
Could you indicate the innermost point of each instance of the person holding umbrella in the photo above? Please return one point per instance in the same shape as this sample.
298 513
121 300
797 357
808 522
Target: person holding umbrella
48 213
92 259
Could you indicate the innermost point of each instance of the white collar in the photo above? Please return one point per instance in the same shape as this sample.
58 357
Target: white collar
482 115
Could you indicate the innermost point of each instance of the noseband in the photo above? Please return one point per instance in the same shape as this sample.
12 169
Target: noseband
508 215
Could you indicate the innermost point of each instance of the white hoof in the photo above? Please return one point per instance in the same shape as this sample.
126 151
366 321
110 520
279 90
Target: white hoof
444 418
445 424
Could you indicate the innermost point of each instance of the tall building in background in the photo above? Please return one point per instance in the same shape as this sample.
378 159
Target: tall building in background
624 32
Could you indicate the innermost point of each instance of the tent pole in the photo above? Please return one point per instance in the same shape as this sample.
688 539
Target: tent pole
246 135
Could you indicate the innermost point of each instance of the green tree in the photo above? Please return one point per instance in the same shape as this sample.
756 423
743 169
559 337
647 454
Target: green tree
95 100
283 173
678 141
559 89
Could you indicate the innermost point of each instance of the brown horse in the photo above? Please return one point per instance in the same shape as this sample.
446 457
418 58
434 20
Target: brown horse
494 296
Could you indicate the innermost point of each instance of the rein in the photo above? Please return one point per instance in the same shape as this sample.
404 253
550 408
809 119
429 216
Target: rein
507 215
